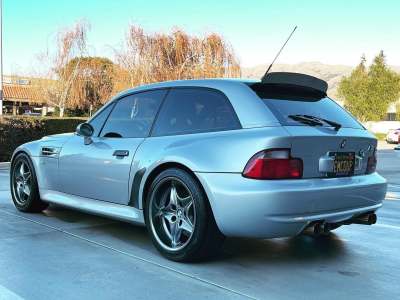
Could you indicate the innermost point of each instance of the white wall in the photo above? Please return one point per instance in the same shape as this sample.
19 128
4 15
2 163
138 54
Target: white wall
381 127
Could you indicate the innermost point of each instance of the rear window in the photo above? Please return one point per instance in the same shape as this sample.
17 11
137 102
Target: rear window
301 102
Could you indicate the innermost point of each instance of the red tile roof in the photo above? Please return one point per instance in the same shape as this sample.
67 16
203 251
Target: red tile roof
19 93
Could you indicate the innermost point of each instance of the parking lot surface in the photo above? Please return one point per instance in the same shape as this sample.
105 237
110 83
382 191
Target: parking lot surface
64 254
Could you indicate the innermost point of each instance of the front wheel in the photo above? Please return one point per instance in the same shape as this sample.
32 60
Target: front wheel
179 218
24 186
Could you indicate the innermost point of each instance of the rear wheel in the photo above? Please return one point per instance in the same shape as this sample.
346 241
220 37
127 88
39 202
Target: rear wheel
24 186
179 218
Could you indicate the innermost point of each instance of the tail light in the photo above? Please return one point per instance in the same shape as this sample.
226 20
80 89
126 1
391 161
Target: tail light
274 164
398 142
396 132
372 161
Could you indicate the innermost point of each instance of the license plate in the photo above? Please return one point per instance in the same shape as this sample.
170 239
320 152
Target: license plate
343 164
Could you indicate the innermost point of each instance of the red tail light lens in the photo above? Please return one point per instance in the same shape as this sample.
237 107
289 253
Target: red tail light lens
398 140
274 164
396 132
372 161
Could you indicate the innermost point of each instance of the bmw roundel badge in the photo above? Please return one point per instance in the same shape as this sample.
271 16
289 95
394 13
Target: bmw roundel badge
343 144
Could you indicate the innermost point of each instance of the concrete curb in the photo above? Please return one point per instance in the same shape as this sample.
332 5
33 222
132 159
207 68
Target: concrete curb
4 165
393 196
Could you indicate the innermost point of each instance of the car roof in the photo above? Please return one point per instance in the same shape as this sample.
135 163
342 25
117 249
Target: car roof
211 83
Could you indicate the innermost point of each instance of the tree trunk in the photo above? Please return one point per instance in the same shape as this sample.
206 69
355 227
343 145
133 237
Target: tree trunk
61 112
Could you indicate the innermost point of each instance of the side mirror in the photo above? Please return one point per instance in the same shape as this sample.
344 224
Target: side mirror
86 130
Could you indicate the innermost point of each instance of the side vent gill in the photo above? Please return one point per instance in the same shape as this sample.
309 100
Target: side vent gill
50 151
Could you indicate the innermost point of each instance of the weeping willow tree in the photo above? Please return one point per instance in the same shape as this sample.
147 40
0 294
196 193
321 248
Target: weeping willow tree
147 57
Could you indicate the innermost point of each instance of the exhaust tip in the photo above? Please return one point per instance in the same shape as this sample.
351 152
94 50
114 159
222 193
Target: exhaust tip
313 229
317 229
327 228
374 219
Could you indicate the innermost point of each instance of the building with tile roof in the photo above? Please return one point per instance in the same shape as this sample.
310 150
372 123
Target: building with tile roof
19 96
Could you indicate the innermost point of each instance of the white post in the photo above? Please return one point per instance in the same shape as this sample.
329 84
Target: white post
1 64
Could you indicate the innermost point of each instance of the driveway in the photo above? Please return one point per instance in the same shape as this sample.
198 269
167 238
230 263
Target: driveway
64 254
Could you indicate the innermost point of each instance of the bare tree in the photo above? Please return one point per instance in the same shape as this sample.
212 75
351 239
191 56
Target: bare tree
147 57
51 74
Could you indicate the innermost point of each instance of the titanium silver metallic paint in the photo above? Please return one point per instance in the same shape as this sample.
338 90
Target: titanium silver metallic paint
90 178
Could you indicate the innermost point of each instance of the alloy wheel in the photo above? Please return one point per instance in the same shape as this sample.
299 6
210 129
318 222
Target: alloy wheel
21 182
172 214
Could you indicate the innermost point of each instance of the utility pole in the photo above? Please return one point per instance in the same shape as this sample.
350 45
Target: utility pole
1 61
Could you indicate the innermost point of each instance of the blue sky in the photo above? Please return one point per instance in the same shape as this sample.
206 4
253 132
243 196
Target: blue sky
332 32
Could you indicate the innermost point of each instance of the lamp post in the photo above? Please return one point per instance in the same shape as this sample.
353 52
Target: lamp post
1 62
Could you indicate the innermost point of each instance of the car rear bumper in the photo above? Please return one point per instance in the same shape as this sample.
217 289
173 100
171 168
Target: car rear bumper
278 208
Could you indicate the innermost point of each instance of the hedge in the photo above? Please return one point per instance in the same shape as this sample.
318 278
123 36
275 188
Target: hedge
17 130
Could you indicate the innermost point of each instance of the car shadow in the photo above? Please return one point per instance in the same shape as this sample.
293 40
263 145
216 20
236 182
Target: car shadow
130 238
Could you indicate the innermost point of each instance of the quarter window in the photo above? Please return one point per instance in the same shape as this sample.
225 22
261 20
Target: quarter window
195 110
133 115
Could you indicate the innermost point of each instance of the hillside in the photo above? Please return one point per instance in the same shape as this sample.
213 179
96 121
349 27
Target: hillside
329 73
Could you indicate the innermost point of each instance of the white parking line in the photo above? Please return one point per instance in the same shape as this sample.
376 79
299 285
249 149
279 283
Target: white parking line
6 294
133 256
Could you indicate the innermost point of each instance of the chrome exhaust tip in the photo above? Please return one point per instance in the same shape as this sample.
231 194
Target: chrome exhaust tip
313 229
368 219
326 228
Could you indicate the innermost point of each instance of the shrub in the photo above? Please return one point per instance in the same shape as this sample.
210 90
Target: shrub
380 136
17 130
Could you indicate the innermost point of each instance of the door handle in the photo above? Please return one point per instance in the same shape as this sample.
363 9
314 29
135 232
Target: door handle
121 153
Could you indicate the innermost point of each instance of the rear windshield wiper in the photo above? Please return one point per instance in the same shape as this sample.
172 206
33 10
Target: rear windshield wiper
337 126
305 120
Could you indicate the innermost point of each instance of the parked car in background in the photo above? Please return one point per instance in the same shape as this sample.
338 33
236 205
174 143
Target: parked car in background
32 114
197 160
393 136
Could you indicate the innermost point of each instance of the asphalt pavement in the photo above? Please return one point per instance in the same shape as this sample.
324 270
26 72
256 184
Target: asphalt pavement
65 254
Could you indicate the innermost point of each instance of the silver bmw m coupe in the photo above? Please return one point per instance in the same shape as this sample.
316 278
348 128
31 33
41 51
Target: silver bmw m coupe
197 160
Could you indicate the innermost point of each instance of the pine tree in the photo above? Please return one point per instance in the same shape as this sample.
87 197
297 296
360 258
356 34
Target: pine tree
368 94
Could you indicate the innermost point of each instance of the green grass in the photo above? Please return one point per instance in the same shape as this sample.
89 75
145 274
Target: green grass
381 136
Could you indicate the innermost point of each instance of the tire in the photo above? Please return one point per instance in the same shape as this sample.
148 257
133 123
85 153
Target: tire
24 186
179 218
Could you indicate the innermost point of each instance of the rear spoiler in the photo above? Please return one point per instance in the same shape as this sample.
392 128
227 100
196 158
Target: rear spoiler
295 79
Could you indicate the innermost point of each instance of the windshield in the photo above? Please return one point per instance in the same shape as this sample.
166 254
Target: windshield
324 108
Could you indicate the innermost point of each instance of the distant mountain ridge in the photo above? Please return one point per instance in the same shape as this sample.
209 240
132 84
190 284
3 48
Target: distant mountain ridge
330 73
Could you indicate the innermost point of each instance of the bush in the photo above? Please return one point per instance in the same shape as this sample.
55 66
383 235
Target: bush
18 130
380 136
71 112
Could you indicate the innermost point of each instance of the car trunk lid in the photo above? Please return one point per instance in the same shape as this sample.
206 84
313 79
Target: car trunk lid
314 144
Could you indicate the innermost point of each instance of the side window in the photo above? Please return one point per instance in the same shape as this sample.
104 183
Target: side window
195 110
133 115
99 120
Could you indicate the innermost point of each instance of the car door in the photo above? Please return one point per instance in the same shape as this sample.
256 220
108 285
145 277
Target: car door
101 169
